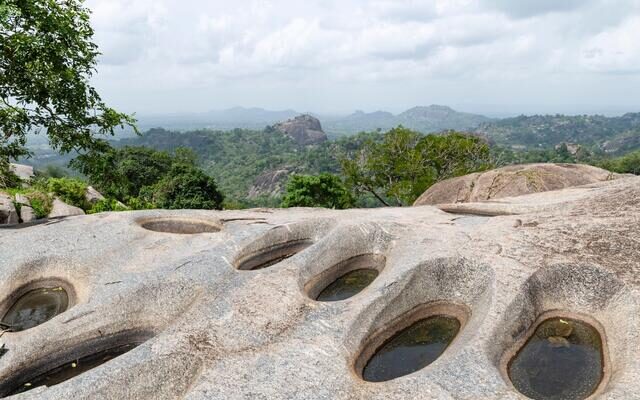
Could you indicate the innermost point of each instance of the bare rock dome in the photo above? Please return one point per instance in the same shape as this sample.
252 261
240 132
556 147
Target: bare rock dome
304 129
513 180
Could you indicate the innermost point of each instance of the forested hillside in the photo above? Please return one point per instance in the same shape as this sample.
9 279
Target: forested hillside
612 135
240 159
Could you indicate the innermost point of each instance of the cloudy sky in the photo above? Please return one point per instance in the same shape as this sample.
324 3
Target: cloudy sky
492 56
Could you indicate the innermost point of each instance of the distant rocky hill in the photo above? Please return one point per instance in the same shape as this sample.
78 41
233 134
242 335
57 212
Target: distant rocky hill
425 119
614 135
429 119
304 129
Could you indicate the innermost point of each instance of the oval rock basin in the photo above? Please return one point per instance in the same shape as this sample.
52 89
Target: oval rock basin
563 360
273 255
348 285
35 307
180 226
412 349
72 369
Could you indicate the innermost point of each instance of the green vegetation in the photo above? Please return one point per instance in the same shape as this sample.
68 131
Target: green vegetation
145 178
398 169
615 135
184 187
628 164
324 190
70 190
239 159
46 60
105 205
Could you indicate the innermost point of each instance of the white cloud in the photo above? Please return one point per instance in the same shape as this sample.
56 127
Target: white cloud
615 50
208 53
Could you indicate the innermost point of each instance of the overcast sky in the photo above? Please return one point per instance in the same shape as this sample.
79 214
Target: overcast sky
492 56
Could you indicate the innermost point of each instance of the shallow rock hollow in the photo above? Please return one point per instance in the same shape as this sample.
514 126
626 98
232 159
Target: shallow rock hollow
210 328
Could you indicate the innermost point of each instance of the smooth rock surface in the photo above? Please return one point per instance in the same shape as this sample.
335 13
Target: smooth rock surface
24 172
215 332
92 195
61 209
8 213
513 180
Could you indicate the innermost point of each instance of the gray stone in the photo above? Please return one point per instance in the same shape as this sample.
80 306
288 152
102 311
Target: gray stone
513 180
22 200
304 129
8 213
214 331
27 214
92 195
61 209
24 172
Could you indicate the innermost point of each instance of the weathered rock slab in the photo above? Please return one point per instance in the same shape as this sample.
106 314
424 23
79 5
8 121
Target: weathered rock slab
61 209
513 180
210 329
24 172
92 195
8 213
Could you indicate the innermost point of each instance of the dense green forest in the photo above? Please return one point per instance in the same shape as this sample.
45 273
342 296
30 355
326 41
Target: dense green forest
245 163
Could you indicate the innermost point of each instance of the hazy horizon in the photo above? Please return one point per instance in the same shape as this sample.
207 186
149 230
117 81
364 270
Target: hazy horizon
492 57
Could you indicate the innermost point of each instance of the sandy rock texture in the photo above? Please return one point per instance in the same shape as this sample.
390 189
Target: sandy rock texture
209 328
513 180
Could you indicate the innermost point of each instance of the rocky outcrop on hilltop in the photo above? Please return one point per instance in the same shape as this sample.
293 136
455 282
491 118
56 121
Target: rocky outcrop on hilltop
270 183
224 304
304 129
513 180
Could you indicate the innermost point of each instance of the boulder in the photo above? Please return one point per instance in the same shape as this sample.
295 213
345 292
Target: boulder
514 180
92 195
24 172
26 212
22 200
8 213
61 209
304 129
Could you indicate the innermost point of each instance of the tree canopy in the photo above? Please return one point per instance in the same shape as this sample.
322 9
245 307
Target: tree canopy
144 178
324 190
47 57
400 167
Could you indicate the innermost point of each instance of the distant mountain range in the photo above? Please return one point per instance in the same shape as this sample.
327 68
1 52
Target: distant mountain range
424 119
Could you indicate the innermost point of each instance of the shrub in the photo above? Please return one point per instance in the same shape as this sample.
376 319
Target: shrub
70 190
184 187
105 205
324 190
40 202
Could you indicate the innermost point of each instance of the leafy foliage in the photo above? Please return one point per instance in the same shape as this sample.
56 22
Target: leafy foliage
184 187
70 190
628 164
398 169
324 190
46 60
7 178
40 203
145 178
105 205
